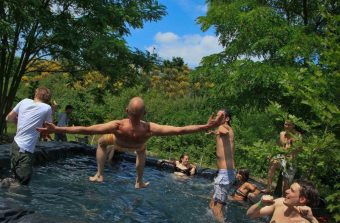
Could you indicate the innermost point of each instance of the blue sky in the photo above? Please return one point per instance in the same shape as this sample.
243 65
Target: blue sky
177 34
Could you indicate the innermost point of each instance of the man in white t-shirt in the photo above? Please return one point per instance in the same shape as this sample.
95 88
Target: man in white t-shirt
63 120
28 115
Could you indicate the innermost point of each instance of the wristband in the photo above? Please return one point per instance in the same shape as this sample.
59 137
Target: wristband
259 204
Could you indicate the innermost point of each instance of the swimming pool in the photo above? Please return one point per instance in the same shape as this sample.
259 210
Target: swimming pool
60 190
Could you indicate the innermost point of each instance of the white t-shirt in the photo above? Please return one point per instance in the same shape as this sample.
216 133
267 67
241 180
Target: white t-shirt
31 115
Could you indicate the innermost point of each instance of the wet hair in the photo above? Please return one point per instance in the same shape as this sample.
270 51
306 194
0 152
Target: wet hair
227 114
244 173
68 107
43 94
309 191
182 156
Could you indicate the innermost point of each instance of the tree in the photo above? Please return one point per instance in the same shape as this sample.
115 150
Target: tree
278 51
82 35
171 77
286 53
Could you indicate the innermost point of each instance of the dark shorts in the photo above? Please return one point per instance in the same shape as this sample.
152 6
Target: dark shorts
21 164
60 137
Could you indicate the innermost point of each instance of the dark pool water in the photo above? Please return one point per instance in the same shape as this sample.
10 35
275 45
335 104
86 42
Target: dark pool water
61 190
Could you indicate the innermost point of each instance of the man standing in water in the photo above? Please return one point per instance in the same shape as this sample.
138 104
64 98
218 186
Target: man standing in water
284 161
225 164
28 114
128 135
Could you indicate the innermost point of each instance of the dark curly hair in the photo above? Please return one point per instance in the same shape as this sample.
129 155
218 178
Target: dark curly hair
182 156
309 191
227 113
244 173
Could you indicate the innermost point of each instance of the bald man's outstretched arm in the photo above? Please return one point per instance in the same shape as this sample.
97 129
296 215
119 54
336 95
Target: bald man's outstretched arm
109 127
168 130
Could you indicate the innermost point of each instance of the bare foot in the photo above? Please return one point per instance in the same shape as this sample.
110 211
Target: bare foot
141 185
97 178
9 183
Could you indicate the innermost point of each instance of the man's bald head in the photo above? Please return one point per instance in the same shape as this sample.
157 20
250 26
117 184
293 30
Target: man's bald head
136 107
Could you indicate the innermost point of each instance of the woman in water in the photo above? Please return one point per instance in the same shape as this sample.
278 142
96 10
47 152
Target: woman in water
245 190
183 167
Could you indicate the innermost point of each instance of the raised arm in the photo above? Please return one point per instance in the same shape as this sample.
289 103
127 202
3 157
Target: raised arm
251 187
212 132
109 127
283 139
168 130
253 190
265 207
306 212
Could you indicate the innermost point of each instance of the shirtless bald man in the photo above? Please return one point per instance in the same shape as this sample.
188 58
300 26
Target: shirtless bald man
129 134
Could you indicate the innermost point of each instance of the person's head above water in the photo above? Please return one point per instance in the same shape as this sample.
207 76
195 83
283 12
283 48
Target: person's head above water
136 108
227 114
184 159
302 192
243 174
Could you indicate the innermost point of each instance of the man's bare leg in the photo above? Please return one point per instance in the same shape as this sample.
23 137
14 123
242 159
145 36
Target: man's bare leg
217 210
140 163
101 156
110 154
271 172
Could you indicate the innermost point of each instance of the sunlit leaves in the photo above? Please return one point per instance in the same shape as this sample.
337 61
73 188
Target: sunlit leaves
280 58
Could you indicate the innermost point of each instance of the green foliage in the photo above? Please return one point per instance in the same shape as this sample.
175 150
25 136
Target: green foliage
256 157
252 125
250 28
333 200
281 59
71 32
170 77
179 112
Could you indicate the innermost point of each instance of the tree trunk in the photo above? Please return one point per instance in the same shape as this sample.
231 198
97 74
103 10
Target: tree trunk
12 75
305 12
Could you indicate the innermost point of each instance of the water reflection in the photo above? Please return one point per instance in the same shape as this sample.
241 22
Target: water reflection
61 189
